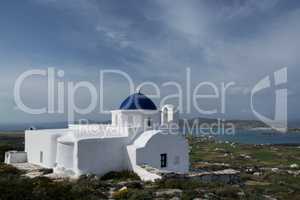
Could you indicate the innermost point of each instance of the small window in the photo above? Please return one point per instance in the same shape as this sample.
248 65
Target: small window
149 123
41 157
163 160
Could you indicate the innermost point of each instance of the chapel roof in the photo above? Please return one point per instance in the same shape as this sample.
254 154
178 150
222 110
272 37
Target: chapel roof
137 101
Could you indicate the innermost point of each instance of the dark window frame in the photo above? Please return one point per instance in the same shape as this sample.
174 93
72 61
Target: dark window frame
41 157
149 122
163 160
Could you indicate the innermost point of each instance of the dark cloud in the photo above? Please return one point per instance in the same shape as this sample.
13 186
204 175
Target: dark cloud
236 40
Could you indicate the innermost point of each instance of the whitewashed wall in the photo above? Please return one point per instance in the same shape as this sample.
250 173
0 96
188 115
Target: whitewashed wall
176 148
65 155
100 156
42 141
141 172
135 118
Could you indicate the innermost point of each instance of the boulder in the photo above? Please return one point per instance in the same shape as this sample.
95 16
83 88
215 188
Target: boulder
257 174
294 166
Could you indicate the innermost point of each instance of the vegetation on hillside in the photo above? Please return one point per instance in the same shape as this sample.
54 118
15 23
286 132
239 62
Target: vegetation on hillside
266 173
10 141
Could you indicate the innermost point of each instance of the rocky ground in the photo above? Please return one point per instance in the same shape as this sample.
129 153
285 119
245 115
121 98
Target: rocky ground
267 171
264 172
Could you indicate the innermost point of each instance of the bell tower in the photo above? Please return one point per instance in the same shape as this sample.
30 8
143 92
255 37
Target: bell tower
168 114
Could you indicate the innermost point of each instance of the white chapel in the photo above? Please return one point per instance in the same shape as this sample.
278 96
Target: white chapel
138 136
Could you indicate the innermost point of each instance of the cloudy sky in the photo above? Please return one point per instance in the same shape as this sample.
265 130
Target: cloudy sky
153 40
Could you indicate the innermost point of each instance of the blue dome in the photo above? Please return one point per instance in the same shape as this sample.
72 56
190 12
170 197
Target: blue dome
137 101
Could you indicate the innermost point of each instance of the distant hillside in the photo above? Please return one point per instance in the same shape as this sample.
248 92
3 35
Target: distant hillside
239 124
23 126
45 125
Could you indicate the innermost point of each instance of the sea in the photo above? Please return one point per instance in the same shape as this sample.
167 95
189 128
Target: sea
254 137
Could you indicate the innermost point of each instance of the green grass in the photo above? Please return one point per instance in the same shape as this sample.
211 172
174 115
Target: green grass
279 185
260 155
134 194
10 141
14 186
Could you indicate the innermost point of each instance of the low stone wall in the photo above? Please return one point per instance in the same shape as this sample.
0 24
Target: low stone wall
227 176
12 157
